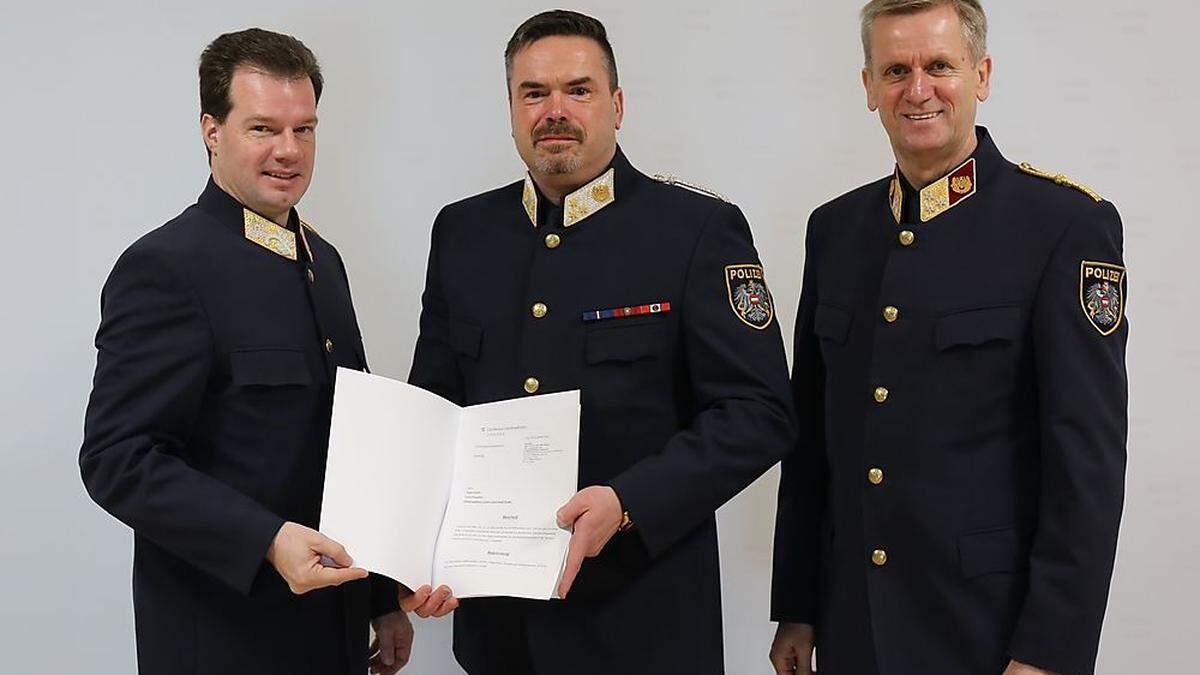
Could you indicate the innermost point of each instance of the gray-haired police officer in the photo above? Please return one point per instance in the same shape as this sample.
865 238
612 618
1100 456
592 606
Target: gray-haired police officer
953 504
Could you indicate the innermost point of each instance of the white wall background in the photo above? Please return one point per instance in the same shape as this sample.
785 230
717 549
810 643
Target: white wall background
758 99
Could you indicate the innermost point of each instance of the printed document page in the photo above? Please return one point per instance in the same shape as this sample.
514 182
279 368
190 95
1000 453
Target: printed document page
426 492
516 463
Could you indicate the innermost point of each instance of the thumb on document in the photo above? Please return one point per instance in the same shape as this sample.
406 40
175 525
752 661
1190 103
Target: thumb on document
570 512
297 552
336 552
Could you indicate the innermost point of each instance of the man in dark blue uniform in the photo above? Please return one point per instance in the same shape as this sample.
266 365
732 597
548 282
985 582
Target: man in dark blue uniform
209 416
953 502
650 298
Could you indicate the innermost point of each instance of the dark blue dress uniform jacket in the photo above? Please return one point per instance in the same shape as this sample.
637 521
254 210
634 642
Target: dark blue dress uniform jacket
970 516
207 429
681 408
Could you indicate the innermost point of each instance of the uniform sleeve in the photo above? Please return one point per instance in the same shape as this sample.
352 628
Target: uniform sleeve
385 595
434 367
738 380
154 356
796 565
1082 397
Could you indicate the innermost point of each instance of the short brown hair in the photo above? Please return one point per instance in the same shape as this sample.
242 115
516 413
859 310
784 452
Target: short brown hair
559 22
273 53
970 15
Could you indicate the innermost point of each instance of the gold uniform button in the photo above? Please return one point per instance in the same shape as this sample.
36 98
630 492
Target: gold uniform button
879 557
891 314
539 310
907 238
311 277
553 240
531 385
329 346
875 476
881 394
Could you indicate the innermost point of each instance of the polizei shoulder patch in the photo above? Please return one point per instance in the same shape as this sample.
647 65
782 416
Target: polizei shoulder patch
1102 295
748 295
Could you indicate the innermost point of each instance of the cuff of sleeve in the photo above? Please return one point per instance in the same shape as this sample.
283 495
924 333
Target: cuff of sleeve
259 532
626 518
641 518
794 610
1044 645
385 595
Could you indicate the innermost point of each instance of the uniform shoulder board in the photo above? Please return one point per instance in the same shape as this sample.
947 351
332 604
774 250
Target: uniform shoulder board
675 180
1061 179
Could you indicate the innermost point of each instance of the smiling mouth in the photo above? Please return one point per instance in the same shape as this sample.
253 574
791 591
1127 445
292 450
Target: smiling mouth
280 175
921 117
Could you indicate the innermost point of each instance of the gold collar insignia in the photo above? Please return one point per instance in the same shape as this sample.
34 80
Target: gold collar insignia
578 205
271 236
939 196
529 200
274 237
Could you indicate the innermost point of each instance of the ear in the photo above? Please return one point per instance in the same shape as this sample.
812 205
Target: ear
619 104
867 80
984 71
210 131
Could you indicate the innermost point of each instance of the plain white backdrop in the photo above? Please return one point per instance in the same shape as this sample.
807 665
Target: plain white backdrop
760 100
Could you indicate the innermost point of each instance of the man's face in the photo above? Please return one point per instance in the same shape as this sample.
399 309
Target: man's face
925 84
564 115
263 153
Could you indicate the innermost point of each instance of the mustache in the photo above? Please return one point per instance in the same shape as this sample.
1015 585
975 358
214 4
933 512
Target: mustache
558 128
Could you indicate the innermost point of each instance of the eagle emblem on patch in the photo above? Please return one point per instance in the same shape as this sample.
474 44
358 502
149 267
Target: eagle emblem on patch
748 295
961 184
1102 295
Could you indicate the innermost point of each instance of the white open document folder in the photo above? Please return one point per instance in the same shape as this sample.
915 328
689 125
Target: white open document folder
426 492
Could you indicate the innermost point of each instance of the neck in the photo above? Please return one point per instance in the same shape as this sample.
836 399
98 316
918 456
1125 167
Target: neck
557 186
277 218
921 171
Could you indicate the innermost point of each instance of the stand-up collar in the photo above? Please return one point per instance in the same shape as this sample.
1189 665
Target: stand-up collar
256 228
588 199
952 189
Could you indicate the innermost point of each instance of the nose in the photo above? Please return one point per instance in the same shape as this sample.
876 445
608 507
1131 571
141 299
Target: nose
557 109
919 87
287 146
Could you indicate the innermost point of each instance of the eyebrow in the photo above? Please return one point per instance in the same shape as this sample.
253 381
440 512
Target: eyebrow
936 56
259 118
530 84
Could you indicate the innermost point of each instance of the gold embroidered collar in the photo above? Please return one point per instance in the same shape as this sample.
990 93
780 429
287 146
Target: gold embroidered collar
939 196
579 204
274 237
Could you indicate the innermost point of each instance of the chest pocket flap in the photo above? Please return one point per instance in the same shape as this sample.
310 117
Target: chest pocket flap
978 327
625 343
832 323
465 337
269 368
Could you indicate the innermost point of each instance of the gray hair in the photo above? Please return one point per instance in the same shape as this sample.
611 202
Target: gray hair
970 15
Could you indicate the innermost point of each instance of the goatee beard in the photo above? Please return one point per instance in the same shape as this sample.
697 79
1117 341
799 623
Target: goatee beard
557 165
